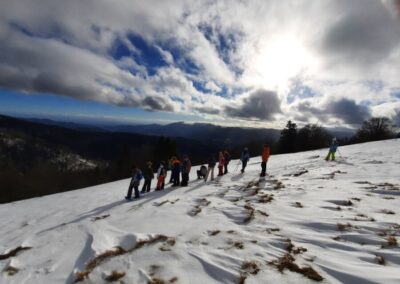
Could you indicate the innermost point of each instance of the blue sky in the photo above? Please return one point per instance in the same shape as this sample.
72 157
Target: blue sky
254 63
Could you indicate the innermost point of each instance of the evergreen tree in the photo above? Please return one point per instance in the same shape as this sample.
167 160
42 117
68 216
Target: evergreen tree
287 141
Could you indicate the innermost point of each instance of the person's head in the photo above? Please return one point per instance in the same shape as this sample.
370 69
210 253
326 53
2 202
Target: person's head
246 149
334 140
149 164
266 146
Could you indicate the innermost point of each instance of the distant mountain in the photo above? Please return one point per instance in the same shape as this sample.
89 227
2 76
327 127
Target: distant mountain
207 133
65 124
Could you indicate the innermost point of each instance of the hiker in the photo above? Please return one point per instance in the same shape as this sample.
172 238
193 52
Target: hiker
135 182
245 157
186 166
176 169
211 166
227 158
332 150
202 172
161 174
148 175
169 168
265 156
221 164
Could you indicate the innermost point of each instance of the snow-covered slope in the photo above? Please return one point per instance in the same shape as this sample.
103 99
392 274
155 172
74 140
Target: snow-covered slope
339 218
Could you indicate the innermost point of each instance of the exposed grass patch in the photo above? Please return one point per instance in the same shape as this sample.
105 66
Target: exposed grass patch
386 211
271 230
13 252
262 213
100 217
265 198
250 267
380 260
344 227
298 204
300 173
161 203
391 241
299 250
214 233
287 262
250 213
117 251
114 276
11 270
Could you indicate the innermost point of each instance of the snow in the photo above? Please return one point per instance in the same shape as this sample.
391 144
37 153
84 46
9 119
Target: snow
209 232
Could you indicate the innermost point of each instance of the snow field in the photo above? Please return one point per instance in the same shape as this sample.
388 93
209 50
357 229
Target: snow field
309 218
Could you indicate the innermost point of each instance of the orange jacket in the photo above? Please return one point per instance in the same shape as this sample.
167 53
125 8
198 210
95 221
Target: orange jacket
265 154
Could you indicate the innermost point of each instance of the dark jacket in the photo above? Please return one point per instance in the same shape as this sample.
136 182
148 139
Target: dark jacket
245 156
186 166
136 177
148 173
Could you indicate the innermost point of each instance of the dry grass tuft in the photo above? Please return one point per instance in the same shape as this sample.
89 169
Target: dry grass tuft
238 245
391 241
250 267
298 204
265 198
173 279
114 276
299 250
156 281
262 213
287 262
380 260
356 199
250 213
270 230
214 233
11 270
100 217
337 238
161 203
13 252
344 227
385 211
99 259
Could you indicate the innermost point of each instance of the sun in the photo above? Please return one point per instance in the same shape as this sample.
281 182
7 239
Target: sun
275 61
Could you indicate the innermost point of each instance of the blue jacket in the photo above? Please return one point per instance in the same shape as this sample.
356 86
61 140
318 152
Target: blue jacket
245 156
333 147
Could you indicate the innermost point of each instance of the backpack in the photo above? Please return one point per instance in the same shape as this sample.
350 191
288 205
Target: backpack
139 176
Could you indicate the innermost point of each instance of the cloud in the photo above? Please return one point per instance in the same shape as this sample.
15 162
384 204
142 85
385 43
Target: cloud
343 110
206 56
261 104
157 103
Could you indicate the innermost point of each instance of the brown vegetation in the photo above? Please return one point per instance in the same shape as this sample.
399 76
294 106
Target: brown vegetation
114 276
13 252
287 262
99 259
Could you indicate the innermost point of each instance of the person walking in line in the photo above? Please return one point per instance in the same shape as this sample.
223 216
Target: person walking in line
221 164
265 157
135 182
332 150
161 174
211 166
148 175
186 166
169 168
245 157
227 159
202 172
176 170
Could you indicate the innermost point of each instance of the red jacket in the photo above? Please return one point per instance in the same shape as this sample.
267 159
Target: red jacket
265 154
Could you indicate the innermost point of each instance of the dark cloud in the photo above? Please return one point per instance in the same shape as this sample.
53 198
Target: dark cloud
261 104
348 111
364 32
157 104
344 109
207 110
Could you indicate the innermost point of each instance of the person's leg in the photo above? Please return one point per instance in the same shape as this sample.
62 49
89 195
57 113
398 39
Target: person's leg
149 186
263 168
198 174
327 156
144 187
333 156
225 169
212 173
129 193
136 187
207 174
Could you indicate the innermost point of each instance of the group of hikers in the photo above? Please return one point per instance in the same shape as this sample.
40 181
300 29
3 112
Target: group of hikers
180 169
